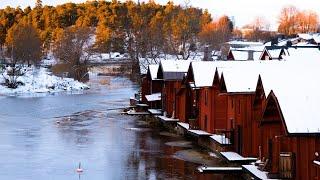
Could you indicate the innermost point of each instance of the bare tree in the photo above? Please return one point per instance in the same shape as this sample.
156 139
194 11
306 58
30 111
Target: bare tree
259 30
73 48
260 23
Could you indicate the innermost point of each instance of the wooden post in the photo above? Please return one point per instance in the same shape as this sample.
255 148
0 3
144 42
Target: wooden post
260 153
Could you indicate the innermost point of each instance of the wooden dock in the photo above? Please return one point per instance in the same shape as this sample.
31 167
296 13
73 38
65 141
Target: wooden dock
220 170
234 157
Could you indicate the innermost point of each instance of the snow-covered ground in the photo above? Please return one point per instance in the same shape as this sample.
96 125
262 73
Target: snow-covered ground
104 57
41 81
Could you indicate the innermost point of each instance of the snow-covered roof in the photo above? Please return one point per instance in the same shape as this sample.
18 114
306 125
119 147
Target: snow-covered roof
274 53
233 156
244 55
259 174
221 139
203 73
297 91
247 43
199 132
144 64
316 38
293 81
155 111
153 70
239 79
184 125
167 119
173 69
153 97
304 44
306 36
175 65
239 76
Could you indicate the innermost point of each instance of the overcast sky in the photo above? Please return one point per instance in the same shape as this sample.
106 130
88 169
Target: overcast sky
243 11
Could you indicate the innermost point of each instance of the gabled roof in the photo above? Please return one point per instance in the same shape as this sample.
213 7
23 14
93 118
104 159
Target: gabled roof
144 63
296 86
152 71
216 79
242 76
173 69
203 73
238 80
175 65
316 38
243 55
273 52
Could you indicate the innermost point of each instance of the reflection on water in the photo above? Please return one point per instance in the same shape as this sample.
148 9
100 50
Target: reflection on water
46 137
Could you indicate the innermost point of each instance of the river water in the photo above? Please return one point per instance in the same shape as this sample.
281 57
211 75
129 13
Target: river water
44 137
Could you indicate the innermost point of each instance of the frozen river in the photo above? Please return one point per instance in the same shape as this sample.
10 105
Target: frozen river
45 137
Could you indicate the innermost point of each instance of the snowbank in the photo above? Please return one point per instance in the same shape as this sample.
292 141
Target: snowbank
105 57
42 81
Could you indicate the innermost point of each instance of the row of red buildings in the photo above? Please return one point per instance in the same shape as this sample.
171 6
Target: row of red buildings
263 109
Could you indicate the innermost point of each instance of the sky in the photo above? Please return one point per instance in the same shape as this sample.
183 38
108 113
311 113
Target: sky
243 11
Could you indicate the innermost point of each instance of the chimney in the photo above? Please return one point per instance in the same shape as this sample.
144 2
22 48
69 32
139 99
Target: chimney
250 55
206 54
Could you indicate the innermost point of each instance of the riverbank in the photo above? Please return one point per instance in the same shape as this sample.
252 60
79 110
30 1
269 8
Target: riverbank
40 80
191 150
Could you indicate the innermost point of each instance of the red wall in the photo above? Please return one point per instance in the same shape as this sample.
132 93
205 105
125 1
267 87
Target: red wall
239 119
304 149
213 111
317 176
145 88
205 106
169 91
219 109
181 105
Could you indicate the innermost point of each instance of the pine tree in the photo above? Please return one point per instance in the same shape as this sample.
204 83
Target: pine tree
39 4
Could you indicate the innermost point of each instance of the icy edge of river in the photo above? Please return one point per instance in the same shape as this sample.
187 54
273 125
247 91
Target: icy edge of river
40 80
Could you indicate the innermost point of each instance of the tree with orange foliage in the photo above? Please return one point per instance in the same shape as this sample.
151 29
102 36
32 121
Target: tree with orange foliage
293 21
216 33
287 20
307 21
